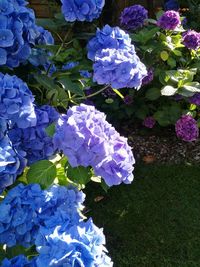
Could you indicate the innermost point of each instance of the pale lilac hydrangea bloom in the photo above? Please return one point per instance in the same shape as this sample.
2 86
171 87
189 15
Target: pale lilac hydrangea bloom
87 139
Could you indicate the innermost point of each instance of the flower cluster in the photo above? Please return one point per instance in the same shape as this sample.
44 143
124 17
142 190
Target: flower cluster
133 17
118 68
81 245
17 261
16 101
169 20
172 5
191 39
187 128
82 10
195 99
27 208
39 56
149 78
149 122
11 163
17 32
85 131
108 37
34 141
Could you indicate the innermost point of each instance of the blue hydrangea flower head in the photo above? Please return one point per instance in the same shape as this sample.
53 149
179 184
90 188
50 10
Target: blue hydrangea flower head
81 245
34 141
18 261
85 131
70 65
16 101
172 5
11 163
82 10
133 17
17 32
108 37
119 68
27 208
39 56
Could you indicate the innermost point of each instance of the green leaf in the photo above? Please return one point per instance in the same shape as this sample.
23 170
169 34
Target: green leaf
72 87
42 172
193 87
164 55
153 94
50 130
45 81
171 62
168 90
79 175
177 53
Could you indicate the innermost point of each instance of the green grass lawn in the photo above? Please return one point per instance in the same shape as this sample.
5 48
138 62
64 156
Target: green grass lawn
153 222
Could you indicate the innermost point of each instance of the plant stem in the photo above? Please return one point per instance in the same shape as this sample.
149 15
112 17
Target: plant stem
96 93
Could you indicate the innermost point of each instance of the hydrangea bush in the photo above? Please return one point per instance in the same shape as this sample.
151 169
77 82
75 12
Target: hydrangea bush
52 145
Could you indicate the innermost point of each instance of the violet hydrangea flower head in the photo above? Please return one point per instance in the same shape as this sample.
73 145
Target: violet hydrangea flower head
81 245
108 37
119 68
191 39
26 208
149 78
133 17
187 128
17 32
85 131
16 101
10 163
149 122
169 20
195 99
82 10
34 141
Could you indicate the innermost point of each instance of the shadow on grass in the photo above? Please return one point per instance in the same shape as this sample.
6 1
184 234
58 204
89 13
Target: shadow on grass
155 221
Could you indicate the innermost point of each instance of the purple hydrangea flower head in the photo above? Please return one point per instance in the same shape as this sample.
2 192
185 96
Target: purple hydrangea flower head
149 122
108 92
85 74
133 17
119 68
27 208
187 128
85 131
149 78
17 32
171 5
10 163
128 99
81 245
191 39
82 10
34 141
108 37
16 101
195 99
169 20
18 261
